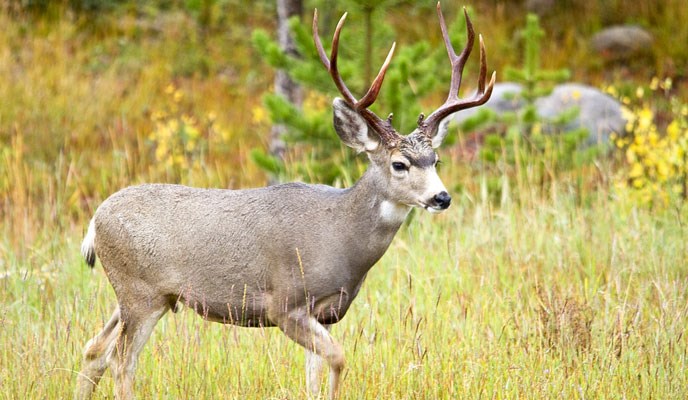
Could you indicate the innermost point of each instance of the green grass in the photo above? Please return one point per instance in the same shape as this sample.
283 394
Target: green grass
536 300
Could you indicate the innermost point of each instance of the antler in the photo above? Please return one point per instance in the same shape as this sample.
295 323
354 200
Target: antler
453 104
382 127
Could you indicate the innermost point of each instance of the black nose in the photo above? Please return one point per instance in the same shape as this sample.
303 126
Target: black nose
442 199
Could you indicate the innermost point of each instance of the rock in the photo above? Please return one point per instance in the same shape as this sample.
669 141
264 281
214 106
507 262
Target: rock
499 102
598 112
622 42
540 7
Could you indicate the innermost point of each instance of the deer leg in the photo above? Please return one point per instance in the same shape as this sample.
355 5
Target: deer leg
95 358
314 367
137 326
316 339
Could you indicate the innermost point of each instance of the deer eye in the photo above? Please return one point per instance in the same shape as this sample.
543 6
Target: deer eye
399 166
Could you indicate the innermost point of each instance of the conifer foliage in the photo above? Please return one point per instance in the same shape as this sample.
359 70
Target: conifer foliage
417 70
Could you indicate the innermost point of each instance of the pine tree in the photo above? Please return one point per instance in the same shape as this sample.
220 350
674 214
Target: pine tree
537 82
519 138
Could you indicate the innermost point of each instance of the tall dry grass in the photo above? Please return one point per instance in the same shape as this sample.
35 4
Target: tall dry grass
535 300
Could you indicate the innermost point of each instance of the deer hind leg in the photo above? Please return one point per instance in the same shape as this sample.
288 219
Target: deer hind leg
319 344
137 325
314 367
96 354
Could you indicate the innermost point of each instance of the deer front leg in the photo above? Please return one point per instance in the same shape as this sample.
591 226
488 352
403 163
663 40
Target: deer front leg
316 339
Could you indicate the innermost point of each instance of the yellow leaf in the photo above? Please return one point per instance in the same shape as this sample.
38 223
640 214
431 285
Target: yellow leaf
645 118
259 115
663 170
673 130
637 170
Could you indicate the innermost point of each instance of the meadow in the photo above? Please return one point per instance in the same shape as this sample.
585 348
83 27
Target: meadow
569 289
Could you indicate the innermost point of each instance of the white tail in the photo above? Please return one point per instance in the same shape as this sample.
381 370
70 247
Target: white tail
88 249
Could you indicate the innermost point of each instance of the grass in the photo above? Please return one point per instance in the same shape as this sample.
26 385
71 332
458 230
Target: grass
534 300
573 293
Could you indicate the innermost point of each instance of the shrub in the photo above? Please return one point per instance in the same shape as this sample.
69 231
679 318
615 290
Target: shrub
654 159
180 140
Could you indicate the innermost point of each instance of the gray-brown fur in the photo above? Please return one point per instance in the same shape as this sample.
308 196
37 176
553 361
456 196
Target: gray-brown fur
226 253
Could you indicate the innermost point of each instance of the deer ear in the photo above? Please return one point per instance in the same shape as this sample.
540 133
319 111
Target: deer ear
352 128
441 133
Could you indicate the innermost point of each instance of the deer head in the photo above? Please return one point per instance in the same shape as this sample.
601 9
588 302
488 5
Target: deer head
406 164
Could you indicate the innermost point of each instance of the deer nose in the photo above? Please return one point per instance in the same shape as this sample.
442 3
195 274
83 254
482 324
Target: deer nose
442 199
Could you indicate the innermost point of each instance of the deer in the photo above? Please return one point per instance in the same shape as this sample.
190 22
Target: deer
291 256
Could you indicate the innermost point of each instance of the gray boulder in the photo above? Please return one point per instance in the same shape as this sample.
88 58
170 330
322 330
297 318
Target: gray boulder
622 42
540 7
499 102
598 112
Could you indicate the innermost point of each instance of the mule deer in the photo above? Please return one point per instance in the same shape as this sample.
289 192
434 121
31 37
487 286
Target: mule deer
292 256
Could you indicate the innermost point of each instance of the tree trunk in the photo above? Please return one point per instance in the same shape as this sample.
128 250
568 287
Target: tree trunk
285 86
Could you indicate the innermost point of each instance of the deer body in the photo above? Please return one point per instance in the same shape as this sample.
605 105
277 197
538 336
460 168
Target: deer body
242 256
292 256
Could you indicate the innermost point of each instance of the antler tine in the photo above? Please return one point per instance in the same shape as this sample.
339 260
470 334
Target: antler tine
453 103
383 128
483 66
318 43
331 63
374 90
457 62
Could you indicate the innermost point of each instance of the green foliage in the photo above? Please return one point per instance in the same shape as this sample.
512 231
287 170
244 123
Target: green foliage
266 162
537 82
304 127
523 140
416 71
44 6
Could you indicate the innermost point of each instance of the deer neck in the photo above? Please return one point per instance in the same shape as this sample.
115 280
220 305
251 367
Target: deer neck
370 206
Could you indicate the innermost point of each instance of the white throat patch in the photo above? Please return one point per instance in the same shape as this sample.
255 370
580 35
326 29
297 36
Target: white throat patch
393 212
